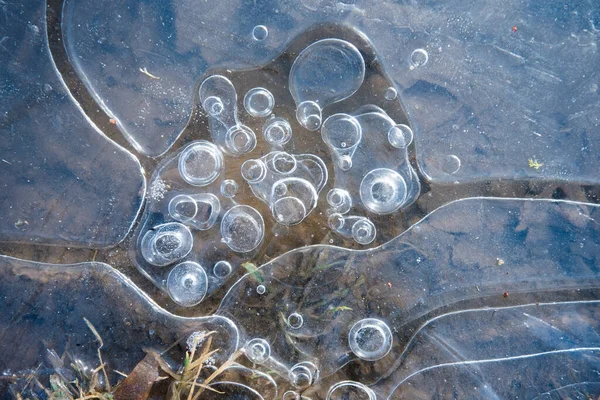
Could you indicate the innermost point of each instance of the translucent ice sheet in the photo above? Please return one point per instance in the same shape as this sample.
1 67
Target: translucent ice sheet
335 307
494 90
258 184
43 310
568 374
465 340
57 170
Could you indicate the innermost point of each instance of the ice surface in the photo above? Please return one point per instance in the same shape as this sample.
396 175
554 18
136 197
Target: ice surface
494 83
57 170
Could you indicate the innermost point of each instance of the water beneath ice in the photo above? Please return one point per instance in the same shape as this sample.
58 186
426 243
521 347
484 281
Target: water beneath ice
362 200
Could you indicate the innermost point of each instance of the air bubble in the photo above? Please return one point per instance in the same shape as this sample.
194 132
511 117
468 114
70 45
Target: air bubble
259 102
383 191
291 395
302 375
390 93
283 163
199 210
418 58
289 210
196 339
219 99
200 163
400 136
187 283
309 115
277 131
335 221
213 105
339 200
222 269
242 228
295 320
166 244
253 171
350 390
370 339
345 163
341 71
363 231
260 33
342 133
261 289
183 208
229 188
258 350
451 164
289 184
240 140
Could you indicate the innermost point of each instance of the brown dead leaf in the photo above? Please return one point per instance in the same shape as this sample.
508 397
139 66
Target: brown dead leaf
139 382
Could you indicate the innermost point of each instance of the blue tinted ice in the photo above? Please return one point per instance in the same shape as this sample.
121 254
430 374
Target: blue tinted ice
315 138
57 170
475 88
43 311
497 339
358 307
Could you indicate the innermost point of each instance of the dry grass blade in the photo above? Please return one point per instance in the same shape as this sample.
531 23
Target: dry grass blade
218 372
99 338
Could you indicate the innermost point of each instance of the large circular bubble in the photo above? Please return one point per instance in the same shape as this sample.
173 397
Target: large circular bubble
370 339
242 228
187 283
383 191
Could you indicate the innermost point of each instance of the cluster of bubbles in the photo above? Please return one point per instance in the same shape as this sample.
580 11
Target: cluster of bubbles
369 339
198 231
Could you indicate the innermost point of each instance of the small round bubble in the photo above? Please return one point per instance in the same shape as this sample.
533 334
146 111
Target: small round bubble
339 200
303 374
383 191
451 164
200 163
258 350
229 188
308 115
400 136
187 283
240 139
300 376
260 33
222 269
283 163
259 102
242 228
183 208
418 58
253 170
335 221
277 131
341 131
345 163
166 244
280 189
213 105
295 320
390 93
289 210
291 395
350 390
261 289
363 231
370 339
